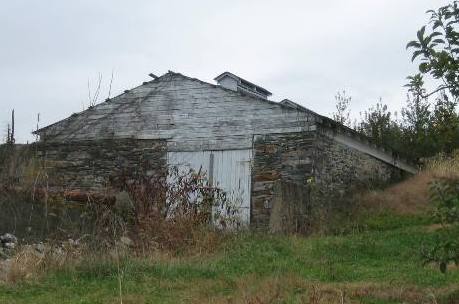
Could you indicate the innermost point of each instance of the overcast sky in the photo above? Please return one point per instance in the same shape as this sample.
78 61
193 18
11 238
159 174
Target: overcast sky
302 50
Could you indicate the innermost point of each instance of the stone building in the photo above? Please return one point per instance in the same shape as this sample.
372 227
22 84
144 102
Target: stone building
245 142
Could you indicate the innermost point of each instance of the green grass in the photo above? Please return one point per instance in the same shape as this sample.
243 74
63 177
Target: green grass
371 266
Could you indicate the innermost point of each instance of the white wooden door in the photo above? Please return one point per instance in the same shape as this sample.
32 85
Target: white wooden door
228 170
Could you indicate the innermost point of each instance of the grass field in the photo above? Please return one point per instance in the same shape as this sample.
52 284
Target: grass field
377 261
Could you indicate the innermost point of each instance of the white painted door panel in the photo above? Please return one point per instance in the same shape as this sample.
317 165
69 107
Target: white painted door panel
228 170
232 174
189 160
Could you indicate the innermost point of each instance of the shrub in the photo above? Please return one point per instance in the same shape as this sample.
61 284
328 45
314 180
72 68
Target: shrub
444 194
174 210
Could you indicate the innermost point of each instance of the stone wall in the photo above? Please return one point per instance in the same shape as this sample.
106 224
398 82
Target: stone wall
293 174
327 171
278 157
311 163
290 209
95 165
340 169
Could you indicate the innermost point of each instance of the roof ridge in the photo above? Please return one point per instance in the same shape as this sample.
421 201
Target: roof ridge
74 115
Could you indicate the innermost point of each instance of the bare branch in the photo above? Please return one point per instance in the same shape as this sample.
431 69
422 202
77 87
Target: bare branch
440 88
96 94
89 93
110 87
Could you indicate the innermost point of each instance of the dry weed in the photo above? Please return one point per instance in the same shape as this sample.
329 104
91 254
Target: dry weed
293 289
444 166
412 195
408 197
32 261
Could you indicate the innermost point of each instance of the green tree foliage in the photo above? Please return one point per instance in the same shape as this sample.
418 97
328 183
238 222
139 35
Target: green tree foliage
426 127
445 125
417 120
435 128
377 123
444 194
437 48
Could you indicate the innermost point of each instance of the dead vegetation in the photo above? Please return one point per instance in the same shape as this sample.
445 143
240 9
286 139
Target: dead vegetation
169 209
294 289
411 196
31 262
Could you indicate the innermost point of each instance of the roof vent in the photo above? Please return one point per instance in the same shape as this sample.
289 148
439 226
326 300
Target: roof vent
291 104
236 83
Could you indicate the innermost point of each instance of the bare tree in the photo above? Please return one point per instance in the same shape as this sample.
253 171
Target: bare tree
342 114
110 86
94 98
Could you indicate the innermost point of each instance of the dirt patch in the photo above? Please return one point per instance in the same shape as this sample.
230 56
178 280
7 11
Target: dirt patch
435 227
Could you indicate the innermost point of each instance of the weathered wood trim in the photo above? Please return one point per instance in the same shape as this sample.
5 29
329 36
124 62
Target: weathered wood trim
371 150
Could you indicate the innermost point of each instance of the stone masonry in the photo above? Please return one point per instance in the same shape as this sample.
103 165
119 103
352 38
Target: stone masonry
310 159
95 165
278 157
